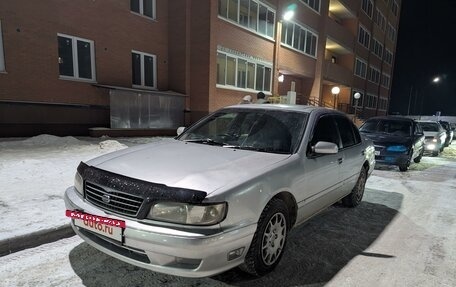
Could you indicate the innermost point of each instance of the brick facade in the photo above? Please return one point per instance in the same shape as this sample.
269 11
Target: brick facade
184 37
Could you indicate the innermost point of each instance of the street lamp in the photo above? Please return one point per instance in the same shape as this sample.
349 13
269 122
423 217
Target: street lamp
286 16
436 80
356 96
335 91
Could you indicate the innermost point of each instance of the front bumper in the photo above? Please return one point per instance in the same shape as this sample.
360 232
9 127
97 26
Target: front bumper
432 147
164 249
392 159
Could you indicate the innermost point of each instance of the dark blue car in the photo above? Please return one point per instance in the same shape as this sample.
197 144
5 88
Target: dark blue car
398 140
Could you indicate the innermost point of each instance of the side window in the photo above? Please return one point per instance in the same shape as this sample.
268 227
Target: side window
346 132
325 130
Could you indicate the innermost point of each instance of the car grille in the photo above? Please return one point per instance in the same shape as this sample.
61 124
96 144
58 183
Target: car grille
112 200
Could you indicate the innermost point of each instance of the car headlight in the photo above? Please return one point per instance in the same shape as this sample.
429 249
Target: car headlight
397 148
79 183
185 213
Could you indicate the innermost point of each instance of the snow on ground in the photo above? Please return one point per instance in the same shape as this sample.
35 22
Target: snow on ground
35 172
402 234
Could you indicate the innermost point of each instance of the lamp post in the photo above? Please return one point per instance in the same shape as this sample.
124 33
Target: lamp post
286 16
335 91
356 96
435 81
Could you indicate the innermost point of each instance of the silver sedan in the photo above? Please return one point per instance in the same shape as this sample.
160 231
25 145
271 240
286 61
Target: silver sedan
224 193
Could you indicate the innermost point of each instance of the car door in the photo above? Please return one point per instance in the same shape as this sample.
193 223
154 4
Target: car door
418 140
352 153
320 177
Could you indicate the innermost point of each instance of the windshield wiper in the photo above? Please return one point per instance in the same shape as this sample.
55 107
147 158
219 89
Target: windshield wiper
260 149
208 141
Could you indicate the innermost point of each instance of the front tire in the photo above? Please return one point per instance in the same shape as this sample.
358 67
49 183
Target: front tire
418 158
355 197
269 240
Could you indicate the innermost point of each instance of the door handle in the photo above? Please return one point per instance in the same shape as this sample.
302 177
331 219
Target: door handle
340 160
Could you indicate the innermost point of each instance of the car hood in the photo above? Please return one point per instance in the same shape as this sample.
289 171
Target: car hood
388 139
431 134
187 165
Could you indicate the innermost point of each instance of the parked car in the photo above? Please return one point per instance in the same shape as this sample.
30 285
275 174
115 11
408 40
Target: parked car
398 140
223 193
449 132
435 136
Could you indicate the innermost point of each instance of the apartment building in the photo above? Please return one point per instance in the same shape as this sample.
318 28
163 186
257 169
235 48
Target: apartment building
67 67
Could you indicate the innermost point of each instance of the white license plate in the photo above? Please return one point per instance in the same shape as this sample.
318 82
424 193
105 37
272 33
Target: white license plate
112 232
377 152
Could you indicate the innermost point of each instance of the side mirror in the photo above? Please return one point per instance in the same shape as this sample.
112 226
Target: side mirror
325 148
180 130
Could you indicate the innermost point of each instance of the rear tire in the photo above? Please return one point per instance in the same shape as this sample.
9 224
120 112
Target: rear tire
355 197
269 239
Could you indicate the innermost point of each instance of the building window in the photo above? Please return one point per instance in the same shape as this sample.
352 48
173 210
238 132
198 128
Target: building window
371 101
314 4
2 55
391 33
382 104
363 36
250 14
143 7
144 69
237 72
395 8
76 58
360 68
380 20
373 75
386 79
377 48
299 38
388 57
367 6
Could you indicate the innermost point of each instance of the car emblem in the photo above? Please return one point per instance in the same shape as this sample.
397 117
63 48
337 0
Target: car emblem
106 198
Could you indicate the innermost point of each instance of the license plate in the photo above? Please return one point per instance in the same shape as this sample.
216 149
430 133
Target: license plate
377 152
109 227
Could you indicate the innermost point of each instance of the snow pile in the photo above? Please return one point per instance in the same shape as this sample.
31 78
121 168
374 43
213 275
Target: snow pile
34 174
111 145
46 140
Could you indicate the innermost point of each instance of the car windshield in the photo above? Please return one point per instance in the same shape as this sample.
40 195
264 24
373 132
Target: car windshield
430 127
248 129
395 127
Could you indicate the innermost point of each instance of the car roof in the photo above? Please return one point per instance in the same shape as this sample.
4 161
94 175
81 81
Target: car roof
394 118
283 107
427 121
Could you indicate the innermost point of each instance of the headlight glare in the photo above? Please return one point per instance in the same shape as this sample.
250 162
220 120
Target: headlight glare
185 213
434 140
78 183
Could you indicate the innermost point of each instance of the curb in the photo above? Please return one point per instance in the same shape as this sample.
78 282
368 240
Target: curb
34 239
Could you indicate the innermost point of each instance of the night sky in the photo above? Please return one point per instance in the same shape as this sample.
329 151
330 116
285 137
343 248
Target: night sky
425 50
